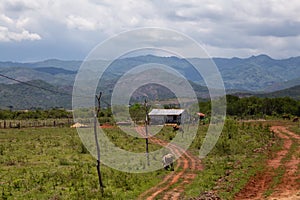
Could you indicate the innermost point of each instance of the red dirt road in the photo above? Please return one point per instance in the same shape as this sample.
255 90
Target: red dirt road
288 161
184 173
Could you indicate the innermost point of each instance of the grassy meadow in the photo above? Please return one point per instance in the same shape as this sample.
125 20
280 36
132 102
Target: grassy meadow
52 163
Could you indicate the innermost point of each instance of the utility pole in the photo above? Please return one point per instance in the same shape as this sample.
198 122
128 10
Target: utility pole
97 143
146 130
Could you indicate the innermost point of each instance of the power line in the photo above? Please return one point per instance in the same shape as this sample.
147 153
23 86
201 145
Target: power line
36 86
46 89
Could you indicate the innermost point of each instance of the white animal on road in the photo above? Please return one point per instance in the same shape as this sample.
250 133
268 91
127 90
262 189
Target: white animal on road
167 161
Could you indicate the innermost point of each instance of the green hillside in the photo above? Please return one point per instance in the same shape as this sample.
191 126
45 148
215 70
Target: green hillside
293 92
256 73
25 96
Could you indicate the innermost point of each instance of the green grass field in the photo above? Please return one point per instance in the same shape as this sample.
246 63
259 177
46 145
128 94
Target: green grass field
52 163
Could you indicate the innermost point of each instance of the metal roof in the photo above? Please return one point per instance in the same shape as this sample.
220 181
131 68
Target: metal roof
163 112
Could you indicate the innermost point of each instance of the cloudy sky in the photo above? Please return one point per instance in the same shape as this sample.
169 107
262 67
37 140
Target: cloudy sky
33 30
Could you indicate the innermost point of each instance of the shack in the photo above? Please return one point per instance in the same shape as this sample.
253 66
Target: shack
165 116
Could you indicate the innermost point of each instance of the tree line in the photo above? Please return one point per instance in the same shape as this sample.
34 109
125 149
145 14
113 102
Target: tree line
254 107
35 114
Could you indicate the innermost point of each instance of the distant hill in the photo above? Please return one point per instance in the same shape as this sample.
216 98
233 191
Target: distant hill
256 75
283 85
293 92
22 96
258 72
31 95
158 92
55 76
54 70
68 65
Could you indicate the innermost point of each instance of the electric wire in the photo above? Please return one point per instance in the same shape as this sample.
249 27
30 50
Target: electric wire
46 89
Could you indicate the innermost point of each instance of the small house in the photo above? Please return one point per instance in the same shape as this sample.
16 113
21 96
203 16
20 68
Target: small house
165 116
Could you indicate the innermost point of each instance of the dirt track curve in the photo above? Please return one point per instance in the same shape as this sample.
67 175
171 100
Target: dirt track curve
172 186
287 161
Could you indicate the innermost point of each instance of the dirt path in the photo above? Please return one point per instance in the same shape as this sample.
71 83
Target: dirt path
282 176
172 186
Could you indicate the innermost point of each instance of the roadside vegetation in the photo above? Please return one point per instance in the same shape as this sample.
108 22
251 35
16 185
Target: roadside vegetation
34 114
52 163
239 154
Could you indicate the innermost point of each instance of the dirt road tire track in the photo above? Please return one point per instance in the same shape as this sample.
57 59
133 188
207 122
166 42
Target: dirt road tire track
289 186
184 173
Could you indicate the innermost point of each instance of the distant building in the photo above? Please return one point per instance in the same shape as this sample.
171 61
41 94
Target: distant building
165 116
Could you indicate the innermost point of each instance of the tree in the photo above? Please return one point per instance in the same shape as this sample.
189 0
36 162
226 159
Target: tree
137 112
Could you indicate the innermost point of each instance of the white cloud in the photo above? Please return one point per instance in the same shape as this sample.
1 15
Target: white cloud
22 23
80 23
20 5
226 27
6 20
15 30
7 36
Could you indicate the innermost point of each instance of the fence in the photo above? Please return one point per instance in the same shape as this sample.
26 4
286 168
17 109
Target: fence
35 123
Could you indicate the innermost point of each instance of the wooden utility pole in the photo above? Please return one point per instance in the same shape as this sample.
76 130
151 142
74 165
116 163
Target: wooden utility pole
97 143
146 130
99 103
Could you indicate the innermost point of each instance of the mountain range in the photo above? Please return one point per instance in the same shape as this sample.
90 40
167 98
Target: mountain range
257 75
